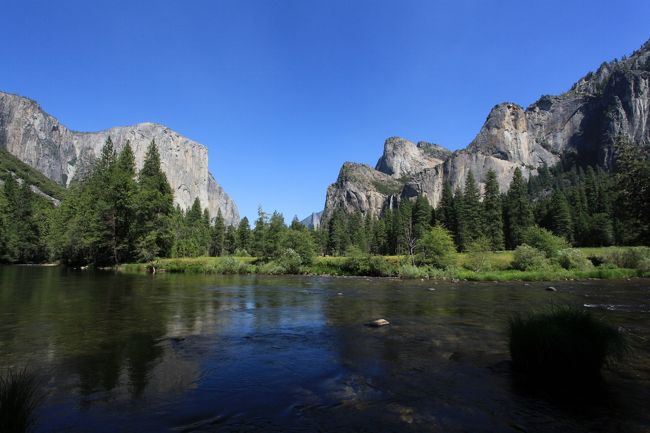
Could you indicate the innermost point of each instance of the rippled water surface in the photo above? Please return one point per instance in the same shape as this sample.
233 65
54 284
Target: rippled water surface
184 353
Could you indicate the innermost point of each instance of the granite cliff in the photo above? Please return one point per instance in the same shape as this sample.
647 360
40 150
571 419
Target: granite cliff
581 124
42 142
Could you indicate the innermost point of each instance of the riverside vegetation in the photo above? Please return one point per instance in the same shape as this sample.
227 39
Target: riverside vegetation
119 216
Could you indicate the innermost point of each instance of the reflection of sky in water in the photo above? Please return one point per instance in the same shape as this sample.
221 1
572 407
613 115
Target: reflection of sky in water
205 353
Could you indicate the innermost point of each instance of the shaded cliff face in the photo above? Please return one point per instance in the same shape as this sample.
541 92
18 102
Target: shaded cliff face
40 141
581 124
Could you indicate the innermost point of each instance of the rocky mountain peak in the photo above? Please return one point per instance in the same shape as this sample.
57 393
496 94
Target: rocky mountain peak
63 155
402 157
581 124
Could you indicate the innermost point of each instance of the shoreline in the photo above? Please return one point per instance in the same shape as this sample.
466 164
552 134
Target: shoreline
249 266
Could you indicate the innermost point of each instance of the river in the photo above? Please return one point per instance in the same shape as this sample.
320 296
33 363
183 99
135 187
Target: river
197 353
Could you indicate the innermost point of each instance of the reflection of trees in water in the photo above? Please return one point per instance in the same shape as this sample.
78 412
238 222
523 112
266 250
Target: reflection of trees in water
107 328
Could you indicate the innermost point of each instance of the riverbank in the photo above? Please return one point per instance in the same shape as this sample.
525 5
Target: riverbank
489 266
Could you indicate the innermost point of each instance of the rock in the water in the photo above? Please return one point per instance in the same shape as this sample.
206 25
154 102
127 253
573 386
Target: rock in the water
551 289
378 323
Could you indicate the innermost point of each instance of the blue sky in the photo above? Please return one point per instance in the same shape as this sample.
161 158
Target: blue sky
283 92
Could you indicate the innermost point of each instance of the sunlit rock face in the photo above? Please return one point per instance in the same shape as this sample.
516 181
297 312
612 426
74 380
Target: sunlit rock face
39 140
582 124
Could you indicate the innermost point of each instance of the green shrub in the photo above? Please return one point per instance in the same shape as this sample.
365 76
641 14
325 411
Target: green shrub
629 257
527 258
366 265
563 344
437 248
20 396
643 265
241 252
478 255
229 265
289 260
271 268
412 271
544 241
570 258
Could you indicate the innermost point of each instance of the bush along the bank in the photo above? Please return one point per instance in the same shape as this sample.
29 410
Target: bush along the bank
563 345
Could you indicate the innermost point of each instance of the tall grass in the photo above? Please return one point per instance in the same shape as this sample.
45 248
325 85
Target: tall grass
20 396
563 344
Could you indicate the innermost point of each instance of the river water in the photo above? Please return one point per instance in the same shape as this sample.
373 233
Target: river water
195 353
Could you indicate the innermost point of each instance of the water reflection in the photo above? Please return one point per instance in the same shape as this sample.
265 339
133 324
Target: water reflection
206 353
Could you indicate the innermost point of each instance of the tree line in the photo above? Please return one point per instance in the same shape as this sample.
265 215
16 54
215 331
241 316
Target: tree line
119 215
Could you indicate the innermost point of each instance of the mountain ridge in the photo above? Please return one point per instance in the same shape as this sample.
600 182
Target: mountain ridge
581 123
63 155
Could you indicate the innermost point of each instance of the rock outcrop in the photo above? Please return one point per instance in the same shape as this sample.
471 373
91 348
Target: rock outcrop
312 221
580 125
62 155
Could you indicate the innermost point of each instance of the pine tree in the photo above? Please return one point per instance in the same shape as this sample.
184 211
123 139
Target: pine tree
633 184
123 191
275 236
422 219
446 209
218 236
472 211
259 233
230 242
493 212
461 235
337 234
560 222
155 206
12 234
519 215
244 235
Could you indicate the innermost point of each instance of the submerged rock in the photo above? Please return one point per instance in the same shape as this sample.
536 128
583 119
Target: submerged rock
378 323
551 289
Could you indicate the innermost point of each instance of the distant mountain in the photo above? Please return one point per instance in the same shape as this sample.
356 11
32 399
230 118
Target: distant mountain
313 220
580 125
62 155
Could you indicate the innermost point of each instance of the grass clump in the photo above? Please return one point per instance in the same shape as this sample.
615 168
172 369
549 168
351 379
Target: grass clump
20 396
563 344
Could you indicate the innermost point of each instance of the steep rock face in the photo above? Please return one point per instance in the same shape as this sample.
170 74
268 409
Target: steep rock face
313 220
404 158
359 187
39 140
581 124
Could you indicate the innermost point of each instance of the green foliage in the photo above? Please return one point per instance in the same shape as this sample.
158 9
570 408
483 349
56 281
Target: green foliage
543 240
527 258
10 166
301 242
633 184
478 255
290 260
437 247
570 258
563 344
20 396
409 271
155 207
630 258
518 212
493 212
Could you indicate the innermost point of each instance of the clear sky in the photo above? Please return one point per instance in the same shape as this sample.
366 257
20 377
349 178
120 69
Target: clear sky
283 92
